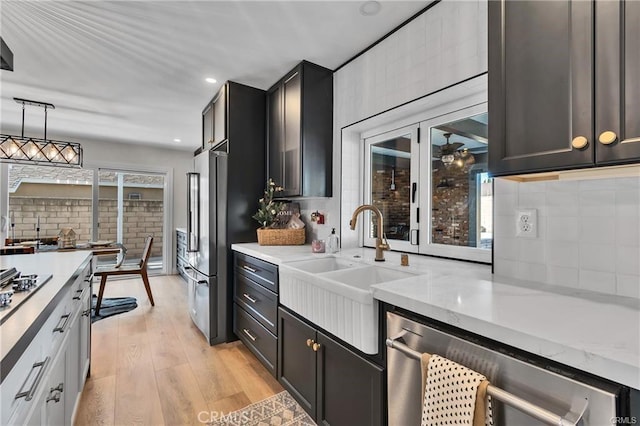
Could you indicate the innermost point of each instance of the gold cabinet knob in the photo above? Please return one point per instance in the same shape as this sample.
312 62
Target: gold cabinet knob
316 347
608 137
579 142
310 342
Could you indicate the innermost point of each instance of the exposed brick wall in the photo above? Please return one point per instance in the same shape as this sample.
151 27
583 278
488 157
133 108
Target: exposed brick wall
394 204
450 208
141 218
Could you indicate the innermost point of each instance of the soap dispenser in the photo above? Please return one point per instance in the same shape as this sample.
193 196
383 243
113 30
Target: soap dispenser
333 243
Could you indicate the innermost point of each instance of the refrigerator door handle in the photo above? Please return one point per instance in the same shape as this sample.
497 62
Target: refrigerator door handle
193 214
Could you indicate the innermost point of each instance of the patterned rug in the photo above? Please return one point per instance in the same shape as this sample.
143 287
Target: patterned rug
112 306
280 410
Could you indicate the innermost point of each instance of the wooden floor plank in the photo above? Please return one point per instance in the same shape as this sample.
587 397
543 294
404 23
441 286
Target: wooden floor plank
167 353
158 367
104 348
137 399
97 404
181 399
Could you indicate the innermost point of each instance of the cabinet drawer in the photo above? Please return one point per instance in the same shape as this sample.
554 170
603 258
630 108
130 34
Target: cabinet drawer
261 272
263 344
261 303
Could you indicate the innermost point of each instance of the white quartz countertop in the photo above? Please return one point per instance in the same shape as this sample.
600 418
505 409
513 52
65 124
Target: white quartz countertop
16 328
599 334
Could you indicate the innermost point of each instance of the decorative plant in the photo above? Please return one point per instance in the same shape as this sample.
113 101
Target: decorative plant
267 208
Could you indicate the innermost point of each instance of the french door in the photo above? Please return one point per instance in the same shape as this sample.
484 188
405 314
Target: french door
130 207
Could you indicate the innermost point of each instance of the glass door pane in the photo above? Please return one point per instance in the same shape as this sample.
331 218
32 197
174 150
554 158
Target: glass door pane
131 206
461 190
54 198
392 178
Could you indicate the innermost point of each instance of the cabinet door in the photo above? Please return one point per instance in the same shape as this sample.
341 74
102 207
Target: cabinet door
297 361
349 387
72 369
55 391
292 135
207 126
275 135
617 81
540 85
85 337
220 116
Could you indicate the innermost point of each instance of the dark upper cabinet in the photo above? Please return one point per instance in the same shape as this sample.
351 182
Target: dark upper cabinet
558 79
214 119
335 385
300 131
617 81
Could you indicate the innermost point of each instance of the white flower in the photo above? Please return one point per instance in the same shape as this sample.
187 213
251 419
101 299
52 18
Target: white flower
273 211
261 200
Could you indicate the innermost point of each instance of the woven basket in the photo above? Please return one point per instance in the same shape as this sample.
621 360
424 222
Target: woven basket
281 237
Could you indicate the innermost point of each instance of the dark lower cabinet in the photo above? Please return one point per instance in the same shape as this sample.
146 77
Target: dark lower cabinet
335 385
349 388
297 360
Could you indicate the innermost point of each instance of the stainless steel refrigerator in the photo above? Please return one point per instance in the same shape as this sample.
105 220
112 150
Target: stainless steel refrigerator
207 245
222 196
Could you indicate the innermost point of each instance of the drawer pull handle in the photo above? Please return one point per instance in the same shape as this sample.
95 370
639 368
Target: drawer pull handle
59 388
249 298
28 395
310 342
316 347
248 333
86 312
76 297
89 279
250 269
64 319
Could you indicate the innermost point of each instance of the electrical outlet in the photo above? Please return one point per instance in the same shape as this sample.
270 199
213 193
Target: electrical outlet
527 223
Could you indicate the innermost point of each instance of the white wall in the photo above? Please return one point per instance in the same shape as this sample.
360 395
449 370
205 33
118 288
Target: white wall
444 45
589 234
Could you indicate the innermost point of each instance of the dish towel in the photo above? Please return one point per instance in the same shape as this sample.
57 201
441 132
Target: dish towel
452 393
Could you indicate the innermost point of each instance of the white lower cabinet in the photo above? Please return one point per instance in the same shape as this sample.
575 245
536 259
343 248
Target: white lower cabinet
43 387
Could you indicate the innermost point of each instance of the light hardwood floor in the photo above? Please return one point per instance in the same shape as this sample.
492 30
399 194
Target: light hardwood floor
152 366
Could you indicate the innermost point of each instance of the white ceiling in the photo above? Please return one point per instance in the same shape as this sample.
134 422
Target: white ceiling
133 71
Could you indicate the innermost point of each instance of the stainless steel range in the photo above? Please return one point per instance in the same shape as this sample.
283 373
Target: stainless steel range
16 288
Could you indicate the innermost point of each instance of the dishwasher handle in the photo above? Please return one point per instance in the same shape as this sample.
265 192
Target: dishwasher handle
570 419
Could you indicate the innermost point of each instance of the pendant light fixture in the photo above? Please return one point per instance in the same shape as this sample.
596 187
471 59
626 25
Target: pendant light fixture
21 149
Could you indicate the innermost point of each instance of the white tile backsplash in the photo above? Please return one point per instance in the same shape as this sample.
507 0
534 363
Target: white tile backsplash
590 240
628 285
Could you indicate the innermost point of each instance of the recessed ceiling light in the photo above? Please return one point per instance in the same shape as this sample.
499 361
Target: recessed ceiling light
210 80
177 140
370 8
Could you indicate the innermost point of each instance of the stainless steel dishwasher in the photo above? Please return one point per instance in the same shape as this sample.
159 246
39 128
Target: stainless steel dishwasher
522 394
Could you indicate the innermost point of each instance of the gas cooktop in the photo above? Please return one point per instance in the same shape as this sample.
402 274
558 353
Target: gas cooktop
16 288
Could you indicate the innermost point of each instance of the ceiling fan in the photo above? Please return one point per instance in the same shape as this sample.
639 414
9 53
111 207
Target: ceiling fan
452 153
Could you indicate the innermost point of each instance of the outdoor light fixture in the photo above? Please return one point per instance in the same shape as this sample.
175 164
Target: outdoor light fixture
21 149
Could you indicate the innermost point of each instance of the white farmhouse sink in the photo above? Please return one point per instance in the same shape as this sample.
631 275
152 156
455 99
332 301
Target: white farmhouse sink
335 294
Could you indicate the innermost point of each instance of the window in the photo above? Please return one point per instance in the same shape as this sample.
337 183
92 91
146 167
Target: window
430 181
